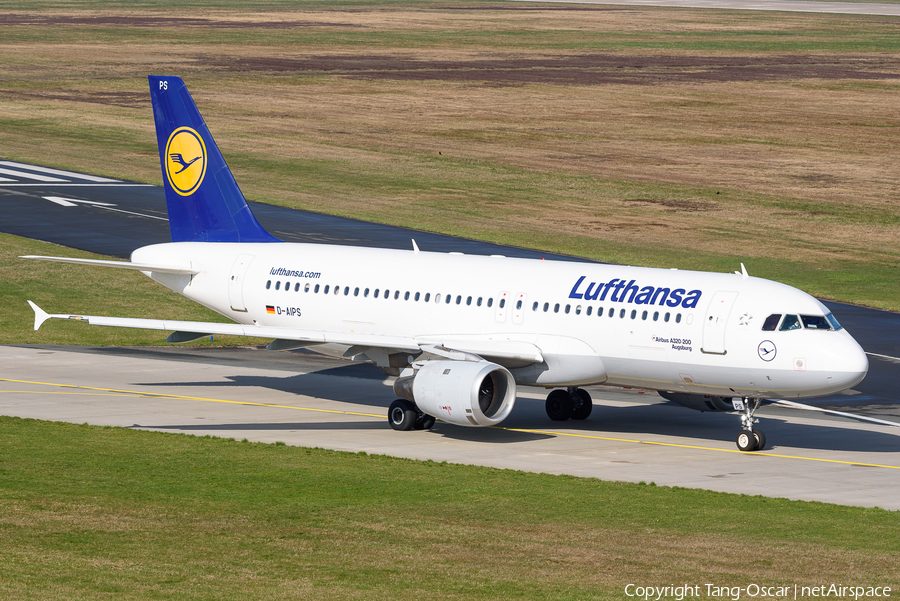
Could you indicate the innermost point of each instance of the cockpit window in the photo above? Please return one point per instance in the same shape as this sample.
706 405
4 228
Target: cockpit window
771 322
815 322
834 322
791 322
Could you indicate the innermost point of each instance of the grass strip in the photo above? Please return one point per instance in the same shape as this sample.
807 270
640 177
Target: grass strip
95 512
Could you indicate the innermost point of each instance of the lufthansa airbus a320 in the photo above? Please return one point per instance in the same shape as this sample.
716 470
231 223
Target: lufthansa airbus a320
461 332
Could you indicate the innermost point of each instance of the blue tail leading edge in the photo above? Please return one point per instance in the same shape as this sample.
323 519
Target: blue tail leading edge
205 203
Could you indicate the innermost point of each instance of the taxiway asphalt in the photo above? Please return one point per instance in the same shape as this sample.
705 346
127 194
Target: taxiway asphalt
310 400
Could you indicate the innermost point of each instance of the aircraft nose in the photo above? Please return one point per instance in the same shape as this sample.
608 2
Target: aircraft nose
853 364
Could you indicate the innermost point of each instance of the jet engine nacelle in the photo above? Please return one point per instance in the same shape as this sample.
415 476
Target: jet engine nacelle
700 402
466 393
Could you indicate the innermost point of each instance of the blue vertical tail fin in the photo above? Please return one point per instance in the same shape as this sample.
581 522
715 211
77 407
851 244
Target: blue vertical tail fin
204 202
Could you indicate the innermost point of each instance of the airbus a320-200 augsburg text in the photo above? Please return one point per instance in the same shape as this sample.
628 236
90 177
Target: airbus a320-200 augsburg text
461 332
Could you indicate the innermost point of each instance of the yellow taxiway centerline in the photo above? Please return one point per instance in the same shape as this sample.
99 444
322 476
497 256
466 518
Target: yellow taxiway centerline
118 392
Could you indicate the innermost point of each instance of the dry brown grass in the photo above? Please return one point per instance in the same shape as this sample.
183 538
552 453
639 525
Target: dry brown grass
549 123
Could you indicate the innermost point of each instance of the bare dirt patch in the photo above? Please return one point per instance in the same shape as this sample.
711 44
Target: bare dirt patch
674 206
576 69
155 22
124 99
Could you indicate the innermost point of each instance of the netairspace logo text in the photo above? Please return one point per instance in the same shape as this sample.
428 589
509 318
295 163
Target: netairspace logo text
756 591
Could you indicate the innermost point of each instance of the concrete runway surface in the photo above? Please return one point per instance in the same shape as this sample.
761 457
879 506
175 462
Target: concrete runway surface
306 399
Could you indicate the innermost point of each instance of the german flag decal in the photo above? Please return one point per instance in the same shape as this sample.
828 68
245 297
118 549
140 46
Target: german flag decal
270 309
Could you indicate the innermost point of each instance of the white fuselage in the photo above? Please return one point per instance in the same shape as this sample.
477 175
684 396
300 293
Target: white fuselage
681 331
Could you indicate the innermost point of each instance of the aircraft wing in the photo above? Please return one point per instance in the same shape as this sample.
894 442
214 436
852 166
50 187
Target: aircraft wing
176 269
500 349
234 329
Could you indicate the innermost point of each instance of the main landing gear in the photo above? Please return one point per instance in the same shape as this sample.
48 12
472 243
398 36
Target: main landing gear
404 415
572 403
749 438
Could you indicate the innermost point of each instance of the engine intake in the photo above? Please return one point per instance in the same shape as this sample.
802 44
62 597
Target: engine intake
466 393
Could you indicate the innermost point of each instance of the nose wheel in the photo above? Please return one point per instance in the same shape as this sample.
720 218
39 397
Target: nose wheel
749 438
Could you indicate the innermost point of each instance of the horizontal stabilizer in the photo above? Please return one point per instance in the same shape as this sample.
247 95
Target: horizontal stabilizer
176 269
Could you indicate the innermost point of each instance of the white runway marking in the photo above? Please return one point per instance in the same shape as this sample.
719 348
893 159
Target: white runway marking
74 202
34 176
885 357
71 174
78 185
26 171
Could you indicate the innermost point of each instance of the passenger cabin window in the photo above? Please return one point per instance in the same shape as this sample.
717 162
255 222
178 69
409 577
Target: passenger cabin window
406 296
518 305
366 293
469 301
397 294
771 322
479 301
316 289
568 308
791 322
490 302
427 296
417 296
678 318
447 299
578 310
277 285
534 307
268 284
306 288
546 307
297 287
589 309
502 302
556 308
347 290
355 291
325 291
612 312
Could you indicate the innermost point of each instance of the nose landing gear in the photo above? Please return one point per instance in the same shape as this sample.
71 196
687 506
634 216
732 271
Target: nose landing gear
749 439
